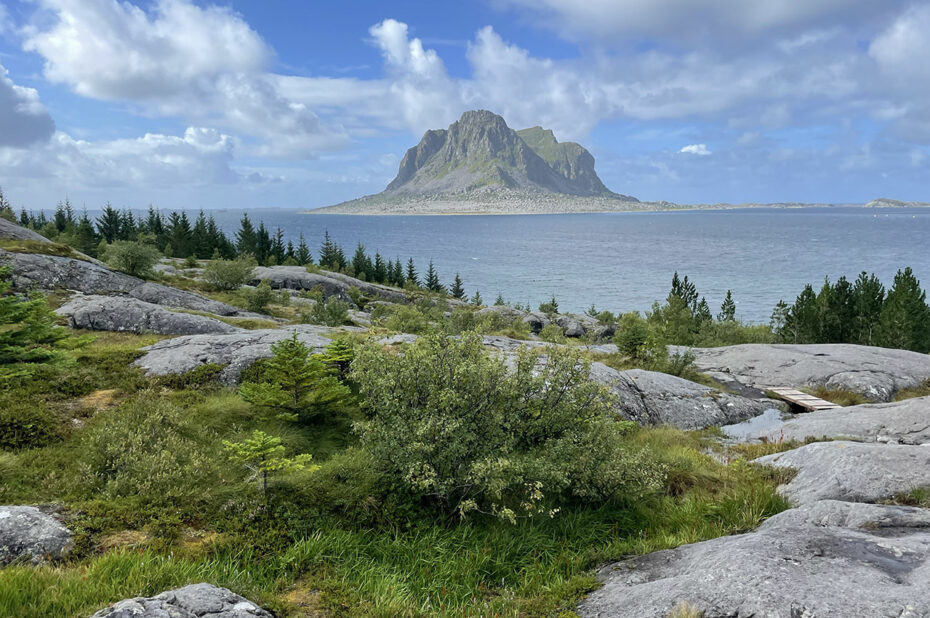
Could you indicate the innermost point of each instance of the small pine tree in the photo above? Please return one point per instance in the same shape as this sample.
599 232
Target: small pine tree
412 274
432 279
380 269
263 454
339 354
905 318
476 299
727 309
500 302
295 383
302 255
245 238
457 290
552 306
28 332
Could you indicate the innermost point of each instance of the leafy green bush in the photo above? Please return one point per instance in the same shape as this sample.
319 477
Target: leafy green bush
145 450
25 425
632 332
457 432
402 319
331 312
258 298
552 333
132 257
229 274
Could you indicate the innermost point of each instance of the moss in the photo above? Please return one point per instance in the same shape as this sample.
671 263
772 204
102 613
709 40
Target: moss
41 247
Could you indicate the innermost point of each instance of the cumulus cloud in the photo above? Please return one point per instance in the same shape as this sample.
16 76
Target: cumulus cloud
23 118
696 149
201 63
712 22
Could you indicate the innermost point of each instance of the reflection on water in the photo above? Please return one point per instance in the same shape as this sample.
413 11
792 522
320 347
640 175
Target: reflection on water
766 423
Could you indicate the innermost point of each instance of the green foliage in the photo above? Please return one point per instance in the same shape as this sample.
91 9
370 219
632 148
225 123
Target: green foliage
727 309
552 333
331 312
339 354
28 334
295 384
476 299
632 333
550 307
403 319
25 424
132 257
262 454
229 274
458 432
144 450
258 298
458 290
921 390
432 279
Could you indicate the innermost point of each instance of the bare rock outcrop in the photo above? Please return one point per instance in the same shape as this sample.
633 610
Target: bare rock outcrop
126 314
877 373
28 535
331 284
825 558
193 601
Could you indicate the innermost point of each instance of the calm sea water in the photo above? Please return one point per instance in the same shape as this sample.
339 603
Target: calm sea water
625 261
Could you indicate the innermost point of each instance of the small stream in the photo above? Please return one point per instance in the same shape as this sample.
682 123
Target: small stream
766 423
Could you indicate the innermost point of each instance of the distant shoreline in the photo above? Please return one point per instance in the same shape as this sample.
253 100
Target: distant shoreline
428 208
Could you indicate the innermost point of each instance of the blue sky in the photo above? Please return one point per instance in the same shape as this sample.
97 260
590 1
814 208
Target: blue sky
300 104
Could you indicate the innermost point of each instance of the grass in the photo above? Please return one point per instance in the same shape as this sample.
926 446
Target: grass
921 390
42 247
838 396
327 541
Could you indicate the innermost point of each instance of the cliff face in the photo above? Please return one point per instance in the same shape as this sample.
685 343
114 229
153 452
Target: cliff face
480 153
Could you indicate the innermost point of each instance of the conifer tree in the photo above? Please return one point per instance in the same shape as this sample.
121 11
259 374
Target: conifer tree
262 454
380 269
108 223
868 298
128 230
27 328
500 302
727 309
85 237
361 263
476 299
245 238
295 384
432 279
412 274
200 238
327 252
457 290
303 255
905 319
262 244
804 318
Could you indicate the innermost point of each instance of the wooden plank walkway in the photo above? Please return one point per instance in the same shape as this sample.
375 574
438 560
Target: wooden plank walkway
808 402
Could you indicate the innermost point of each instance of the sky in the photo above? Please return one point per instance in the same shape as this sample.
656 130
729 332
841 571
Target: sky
275 103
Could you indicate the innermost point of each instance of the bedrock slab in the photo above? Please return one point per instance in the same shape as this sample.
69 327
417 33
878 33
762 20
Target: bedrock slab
877 373
126 314
826 559
193 601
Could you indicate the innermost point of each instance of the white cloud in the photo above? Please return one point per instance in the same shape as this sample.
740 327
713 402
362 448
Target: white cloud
203 64
903 50
696 149
4 20
712 22
23 118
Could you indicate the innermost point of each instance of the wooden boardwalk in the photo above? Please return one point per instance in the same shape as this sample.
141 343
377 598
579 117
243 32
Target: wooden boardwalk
808 402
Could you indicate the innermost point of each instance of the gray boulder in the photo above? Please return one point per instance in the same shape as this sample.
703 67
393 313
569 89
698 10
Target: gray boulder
125 314
12 231
824 559
899 422
653 398
536 321
852 471
877 373
29 535
332 284
571 326
503 312
50 272
236 350
193 601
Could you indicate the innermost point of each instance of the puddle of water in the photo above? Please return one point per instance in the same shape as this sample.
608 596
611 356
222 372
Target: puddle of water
767 423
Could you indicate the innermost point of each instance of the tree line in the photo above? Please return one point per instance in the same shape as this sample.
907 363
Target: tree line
176 235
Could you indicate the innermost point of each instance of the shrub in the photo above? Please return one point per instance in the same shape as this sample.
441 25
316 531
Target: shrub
550 307
28 333
632 332
25 425
552 333
132 257
144 449
258 298
229 274
402 319
331 312
456 431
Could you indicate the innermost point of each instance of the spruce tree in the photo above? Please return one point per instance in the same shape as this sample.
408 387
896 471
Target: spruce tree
905 319
294 383
246 241
432 279
457 290
27 328
868 298
303 255
361 263
262 244
412 274
108 223
86 239
476 299
200 238
500 302
380 269
327 252
727 309
804 317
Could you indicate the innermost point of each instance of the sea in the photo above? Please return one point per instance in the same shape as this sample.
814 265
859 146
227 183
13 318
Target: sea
625 261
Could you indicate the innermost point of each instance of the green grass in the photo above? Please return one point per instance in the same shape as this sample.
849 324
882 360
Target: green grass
921 390
839 396
42 247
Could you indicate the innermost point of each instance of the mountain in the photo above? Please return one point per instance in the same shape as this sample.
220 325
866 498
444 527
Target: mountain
479 158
